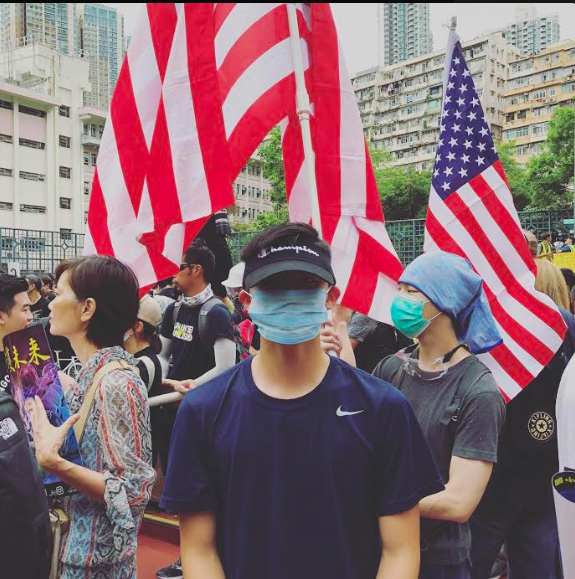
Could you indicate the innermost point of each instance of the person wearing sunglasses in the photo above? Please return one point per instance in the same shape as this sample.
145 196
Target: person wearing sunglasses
442 303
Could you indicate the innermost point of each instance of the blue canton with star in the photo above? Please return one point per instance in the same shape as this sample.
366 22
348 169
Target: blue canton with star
465 147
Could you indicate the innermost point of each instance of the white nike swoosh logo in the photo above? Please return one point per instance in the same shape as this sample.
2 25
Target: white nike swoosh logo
341 412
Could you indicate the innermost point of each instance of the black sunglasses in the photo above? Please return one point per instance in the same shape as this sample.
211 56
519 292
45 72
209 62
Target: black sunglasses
186 265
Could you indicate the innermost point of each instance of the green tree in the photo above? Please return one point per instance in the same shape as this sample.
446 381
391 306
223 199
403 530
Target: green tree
270 152
404 192
551 172
517 176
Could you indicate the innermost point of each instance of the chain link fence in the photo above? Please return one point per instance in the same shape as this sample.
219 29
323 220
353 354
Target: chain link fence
41 251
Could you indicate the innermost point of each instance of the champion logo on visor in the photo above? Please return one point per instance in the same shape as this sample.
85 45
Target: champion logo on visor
296 248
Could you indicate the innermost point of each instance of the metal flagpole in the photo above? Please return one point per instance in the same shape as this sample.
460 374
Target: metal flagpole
304 112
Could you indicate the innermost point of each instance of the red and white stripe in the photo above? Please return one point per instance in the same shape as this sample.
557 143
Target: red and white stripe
366 265
120 208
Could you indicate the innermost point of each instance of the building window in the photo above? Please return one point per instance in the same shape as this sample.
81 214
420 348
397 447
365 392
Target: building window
32 144
94 159
32 209
101 130
65 234
94 130
65 142
6 206
64 111
5 172
65 203
32 176
6 105
5 138
65 172
87 187
85 128
87 159
32 112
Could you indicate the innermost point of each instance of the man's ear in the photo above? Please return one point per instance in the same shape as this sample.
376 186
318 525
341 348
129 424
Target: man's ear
245 299
3 317
332 296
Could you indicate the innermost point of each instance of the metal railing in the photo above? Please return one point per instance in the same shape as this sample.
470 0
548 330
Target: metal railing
41 251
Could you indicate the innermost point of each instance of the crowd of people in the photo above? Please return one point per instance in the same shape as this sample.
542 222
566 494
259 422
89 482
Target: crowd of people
310 441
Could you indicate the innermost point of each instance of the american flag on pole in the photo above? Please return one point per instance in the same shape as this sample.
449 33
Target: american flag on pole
365 263
174 146
471 214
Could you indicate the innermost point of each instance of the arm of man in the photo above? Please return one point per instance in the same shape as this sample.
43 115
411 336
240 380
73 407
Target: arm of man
401 549
225 355
474 452
467 482
200 558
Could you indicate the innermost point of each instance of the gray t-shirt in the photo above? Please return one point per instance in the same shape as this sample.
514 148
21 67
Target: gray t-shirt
461 414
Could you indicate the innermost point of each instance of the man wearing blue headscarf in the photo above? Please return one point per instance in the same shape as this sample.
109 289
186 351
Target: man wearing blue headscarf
441 302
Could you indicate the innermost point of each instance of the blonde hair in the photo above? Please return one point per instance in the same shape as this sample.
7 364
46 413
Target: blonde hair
551 282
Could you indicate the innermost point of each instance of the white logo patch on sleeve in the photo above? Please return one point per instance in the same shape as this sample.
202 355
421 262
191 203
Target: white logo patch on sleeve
8 428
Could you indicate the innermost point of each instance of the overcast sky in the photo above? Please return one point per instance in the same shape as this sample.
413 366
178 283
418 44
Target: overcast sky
357 24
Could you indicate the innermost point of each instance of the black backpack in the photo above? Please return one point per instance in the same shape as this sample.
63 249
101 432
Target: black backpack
25 532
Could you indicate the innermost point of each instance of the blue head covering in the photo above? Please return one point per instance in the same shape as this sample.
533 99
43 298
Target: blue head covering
451 284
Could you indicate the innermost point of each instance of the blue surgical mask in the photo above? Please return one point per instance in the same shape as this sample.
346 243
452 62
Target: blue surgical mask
289 316
407 315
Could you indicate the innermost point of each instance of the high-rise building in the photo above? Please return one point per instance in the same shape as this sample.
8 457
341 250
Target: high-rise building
532 33
537 85
400 105
102 43
52 23
404 32
92 31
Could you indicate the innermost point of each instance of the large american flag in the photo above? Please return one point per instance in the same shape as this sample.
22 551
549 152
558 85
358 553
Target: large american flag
471 213
173 146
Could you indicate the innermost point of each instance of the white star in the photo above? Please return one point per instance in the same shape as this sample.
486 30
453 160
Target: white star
453 142
445 186
453 73
460 101
469 131
474 102
440 142
451 156
450 85
444 113
484 132
456 60
447 99
458 115
448 171
456 128
463 172
472 116
481 147
441 128
480 161
466 73
493 149
465 158
467 145
437 158
436 173
463 88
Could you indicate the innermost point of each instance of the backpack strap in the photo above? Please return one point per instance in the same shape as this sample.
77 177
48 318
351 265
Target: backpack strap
203 318
150 368
90 394
177 308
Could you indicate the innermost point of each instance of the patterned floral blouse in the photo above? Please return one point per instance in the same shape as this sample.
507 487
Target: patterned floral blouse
102 539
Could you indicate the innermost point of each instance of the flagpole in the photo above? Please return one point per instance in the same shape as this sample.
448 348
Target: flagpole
304 112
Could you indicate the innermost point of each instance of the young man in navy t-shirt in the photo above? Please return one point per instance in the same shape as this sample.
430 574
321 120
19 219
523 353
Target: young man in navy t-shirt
294 464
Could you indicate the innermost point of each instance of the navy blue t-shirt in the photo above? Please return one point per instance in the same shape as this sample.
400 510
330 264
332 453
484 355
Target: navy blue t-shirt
298 485
192 358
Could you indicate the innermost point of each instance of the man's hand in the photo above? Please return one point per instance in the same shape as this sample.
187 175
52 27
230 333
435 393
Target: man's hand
330 341
182 386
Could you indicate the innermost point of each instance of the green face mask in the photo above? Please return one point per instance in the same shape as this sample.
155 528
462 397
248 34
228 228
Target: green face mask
407 315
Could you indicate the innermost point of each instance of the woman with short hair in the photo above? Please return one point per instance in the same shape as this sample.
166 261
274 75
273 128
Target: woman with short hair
97 302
